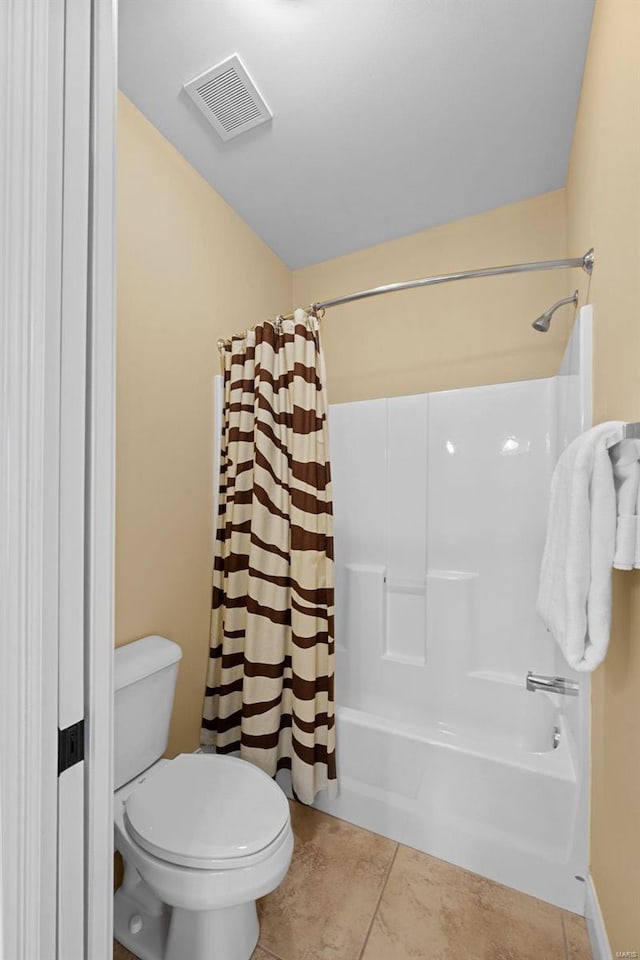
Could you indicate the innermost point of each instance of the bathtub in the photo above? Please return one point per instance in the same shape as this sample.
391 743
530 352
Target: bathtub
440 507
506 808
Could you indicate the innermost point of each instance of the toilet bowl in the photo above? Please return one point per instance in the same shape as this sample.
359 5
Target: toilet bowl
202 836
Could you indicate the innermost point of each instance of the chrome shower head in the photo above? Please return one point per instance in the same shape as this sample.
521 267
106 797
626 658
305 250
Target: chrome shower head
543 322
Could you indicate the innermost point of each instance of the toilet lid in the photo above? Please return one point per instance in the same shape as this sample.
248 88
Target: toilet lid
200 809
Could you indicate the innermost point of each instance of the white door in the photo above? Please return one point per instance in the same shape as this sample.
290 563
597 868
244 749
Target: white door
57 111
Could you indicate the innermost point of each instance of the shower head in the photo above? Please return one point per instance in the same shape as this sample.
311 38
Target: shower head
543 322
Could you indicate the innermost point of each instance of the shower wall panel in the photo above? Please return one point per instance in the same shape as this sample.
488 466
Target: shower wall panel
440 504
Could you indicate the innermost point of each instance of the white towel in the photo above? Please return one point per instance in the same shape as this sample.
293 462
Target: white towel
574 599
626 477
637 519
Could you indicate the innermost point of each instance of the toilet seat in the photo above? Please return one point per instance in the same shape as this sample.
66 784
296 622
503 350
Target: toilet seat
207 811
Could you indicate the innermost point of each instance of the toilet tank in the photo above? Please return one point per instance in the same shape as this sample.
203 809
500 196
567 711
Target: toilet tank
145 673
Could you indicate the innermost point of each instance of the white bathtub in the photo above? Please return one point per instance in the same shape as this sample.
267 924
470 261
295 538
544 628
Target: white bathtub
440 505
505 808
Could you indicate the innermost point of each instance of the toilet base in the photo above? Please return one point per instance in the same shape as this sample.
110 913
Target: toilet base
149 941
227 934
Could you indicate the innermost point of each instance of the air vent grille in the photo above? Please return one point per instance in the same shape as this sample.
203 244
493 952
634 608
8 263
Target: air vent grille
228 98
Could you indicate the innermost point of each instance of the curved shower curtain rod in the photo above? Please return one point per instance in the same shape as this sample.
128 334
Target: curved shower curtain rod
585 263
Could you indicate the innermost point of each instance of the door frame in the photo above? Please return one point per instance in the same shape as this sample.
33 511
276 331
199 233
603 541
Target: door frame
100 516
100 492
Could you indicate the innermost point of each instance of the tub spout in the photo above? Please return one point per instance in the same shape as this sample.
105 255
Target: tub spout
552 684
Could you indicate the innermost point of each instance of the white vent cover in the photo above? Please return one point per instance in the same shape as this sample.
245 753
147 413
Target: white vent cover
228 98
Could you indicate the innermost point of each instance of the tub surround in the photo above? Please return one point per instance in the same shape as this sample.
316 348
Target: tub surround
440 505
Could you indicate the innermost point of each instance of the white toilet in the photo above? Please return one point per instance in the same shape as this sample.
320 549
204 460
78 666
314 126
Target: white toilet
202 836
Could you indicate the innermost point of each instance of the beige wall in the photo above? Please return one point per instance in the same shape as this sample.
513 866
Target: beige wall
454 335
189 271
603 197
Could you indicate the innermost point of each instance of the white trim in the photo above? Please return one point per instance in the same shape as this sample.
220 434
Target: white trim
101 487
73 350
72 449
595 923
51 595
30 256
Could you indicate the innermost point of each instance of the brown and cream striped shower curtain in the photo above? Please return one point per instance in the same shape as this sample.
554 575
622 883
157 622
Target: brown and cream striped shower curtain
270 683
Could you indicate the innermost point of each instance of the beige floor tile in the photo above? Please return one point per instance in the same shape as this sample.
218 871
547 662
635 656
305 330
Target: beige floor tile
119 952
578 945
324 907
431 910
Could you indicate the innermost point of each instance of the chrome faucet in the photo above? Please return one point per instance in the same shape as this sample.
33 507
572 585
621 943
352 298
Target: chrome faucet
552 684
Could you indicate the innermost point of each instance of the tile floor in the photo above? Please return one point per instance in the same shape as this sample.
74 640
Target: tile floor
353 895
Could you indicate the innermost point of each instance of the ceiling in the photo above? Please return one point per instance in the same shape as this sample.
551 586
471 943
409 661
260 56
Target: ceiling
389 116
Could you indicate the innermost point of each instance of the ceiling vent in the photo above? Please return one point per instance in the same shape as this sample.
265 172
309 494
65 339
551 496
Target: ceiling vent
228 98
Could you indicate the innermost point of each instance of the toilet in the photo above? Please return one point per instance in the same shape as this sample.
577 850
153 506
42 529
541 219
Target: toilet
202 836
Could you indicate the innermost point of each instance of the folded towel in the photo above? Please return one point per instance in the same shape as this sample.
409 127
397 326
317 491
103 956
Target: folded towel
626 476
574 598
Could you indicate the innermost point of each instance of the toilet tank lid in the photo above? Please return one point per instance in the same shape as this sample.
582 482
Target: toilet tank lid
141 658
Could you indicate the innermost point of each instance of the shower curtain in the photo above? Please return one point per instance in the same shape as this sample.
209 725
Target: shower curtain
270 682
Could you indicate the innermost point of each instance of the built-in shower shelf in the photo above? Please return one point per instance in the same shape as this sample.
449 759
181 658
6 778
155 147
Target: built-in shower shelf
452 575
416 587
